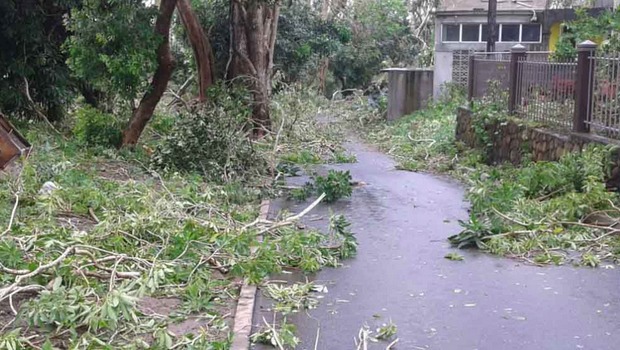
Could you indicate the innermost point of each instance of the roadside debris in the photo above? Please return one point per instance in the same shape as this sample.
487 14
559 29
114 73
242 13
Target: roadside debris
454 257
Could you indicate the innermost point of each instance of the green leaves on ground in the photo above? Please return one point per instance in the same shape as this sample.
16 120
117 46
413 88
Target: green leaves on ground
336 185
281 336
454 257
541 210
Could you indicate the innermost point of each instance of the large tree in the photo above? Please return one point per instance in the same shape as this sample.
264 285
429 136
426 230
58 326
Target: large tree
203 54
254 26
159 83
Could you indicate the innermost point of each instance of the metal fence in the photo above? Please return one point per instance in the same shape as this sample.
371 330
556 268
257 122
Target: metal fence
546 89
604 98
580 94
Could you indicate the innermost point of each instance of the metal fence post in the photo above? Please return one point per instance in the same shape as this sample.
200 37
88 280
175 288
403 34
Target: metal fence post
517 53
470 80
583 86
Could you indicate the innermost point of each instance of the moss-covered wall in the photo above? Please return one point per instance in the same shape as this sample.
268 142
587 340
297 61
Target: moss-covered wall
510 140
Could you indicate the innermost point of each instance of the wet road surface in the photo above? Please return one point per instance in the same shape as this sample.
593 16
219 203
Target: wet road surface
401 220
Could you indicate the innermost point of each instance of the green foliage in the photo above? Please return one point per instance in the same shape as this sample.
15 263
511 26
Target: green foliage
519 210
336 185
303 193
168 235
293 298
31 35
113 45
303 39
602 28
302 157
211 140
382 37
386 331
340 232
11 255
12 340
454 257
281 336
340 157
73 308
96 128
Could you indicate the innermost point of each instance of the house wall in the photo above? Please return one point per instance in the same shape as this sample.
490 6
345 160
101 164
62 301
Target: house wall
443 51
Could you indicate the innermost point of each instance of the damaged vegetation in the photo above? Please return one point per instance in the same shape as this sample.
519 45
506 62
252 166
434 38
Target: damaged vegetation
545 212
340 244
105 249
542 212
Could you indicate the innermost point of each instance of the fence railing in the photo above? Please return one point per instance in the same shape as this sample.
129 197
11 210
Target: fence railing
581 95
546 90
604 99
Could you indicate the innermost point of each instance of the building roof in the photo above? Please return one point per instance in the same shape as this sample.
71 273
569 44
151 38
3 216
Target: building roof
483 5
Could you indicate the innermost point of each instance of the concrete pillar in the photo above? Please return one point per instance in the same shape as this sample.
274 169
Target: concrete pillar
408 90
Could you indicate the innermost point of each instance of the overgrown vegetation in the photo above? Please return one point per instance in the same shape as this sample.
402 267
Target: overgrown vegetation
100 234
603 29
546 212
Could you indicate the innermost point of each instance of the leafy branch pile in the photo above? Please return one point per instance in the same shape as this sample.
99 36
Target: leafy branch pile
91 235
336 185
545 212
302 138
290 299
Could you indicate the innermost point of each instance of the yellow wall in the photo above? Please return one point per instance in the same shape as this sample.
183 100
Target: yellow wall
554 36
556 31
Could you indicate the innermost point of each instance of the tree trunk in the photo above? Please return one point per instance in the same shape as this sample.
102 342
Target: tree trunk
254 30
324 64
203 54
158 86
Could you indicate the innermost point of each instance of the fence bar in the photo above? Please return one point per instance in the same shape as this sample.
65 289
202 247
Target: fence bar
470 80
517 53
583 86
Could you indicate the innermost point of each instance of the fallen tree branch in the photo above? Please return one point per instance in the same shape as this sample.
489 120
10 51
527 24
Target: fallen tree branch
504 216
389 347
294 218
4 292
34 107
8 229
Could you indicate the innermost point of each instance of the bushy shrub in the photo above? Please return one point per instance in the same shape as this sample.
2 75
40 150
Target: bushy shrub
211 140
96 128
336 185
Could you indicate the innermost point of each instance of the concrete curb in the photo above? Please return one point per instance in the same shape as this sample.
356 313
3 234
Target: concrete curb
245 305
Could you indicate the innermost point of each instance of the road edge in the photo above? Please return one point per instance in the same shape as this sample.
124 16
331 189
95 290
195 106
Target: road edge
242 323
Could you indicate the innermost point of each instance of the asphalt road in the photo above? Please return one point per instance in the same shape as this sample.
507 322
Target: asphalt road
402 220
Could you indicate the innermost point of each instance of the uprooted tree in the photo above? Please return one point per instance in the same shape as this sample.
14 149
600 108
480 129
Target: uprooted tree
254 26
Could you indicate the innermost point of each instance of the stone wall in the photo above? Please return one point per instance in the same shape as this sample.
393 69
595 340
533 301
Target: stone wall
509 140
